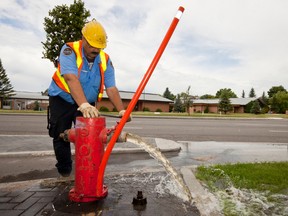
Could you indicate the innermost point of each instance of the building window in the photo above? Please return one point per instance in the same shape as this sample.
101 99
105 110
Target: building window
7 104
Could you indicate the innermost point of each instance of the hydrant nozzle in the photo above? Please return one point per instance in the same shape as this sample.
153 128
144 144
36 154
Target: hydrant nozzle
121 138
69 136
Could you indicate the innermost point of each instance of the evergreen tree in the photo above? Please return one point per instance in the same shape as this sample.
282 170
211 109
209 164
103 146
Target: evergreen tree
264 103
256 109
247 108
36 106
64 24
6 89
252 93
264 99
225 103
167 94
178 105
243 94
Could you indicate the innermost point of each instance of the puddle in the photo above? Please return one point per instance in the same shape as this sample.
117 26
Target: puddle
157 187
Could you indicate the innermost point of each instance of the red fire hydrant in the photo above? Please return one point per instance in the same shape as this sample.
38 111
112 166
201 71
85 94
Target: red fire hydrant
89 137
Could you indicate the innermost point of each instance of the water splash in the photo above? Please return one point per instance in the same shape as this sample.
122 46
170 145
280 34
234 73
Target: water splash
157 155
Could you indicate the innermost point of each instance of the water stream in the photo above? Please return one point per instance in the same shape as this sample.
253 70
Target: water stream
157 155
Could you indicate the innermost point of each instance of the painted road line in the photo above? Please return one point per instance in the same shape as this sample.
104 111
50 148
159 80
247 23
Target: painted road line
23 135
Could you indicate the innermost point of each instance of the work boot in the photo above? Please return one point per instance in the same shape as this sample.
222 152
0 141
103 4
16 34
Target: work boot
64 174
65 178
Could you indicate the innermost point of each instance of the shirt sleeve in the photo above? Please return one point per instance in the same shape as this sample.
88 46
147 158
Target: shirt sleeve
109 75
68 61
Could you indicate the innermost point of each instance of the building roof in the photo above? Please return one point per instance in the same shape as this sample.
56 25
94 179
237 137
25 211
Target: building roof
29 95
123 94
144 96
234 101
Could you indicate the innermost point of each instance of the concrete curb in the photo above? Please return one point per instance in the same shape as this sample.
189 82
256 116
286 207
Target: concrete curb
51 153
163 116
206 203
163 144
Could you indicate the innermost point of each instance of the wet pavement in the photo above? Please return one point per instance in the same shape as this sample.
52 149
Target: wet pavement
130 170
50 197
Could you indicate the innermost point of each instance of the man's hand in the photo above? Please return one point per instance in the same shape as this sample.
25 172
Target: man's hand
88 110
121 114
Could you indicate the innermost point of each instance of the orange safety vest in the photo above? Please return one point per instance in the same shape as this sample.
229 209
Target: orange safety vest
77 48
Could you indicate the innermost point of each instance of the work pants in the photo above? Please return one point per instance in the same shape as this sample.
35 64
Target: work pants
61 115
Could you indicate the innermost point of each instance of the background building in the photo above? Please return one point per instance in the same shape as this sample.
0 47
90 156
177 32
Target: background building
211 105
36 101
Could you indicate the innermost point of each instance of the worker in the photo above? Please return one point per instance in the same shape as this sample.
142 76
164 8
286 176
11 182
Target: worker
83 71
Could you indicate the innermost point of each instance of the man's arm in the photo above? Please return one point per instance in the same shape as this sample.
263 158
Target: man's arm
75 88
77 93
115 98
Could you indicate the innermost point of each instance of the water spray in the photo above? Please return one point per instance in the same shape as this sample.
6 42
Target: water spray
157 155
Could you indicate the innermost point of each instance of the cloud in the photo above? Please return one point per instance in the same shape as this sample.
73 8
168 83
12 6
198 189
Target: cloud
217 44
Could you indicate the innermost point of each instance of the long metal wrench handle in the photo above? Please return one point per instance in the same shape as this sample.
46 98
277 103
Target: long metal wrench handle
136 97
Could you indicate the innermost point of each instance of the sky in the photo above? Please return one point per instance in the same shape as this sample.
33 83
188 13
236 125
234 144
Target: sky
236 44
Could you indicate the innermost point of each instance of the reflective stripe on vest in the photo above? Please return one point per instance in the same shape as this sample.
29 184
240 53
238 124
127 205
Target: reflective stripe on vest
103 67
77 48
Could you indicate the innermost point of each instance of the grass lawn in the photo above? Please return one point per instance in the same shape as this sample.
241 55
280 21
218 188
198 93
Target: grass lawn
248 188
167 114
213 115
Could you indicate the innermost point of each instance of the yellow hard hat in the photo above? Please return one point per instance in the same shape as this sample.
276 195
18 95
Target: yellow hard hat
95 34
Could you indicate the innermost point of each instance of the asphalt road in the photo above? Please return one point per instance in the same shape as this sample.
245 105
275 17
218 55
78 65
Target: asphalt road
177 129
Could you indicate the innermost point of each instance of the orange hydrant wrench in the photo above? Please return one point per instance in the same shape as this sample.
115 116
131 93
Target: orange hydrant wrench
136 97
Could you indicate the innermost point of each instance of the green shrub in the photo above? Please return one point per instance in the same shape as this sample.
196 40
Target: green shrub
103 109
159 110
265 110
146 109
36 106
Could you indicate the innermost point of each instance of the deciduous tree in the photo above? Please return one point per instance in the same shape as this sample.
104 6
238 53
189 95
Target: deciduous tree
228 92
279 102
186 98
64 24
207 96
225 103
273 90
